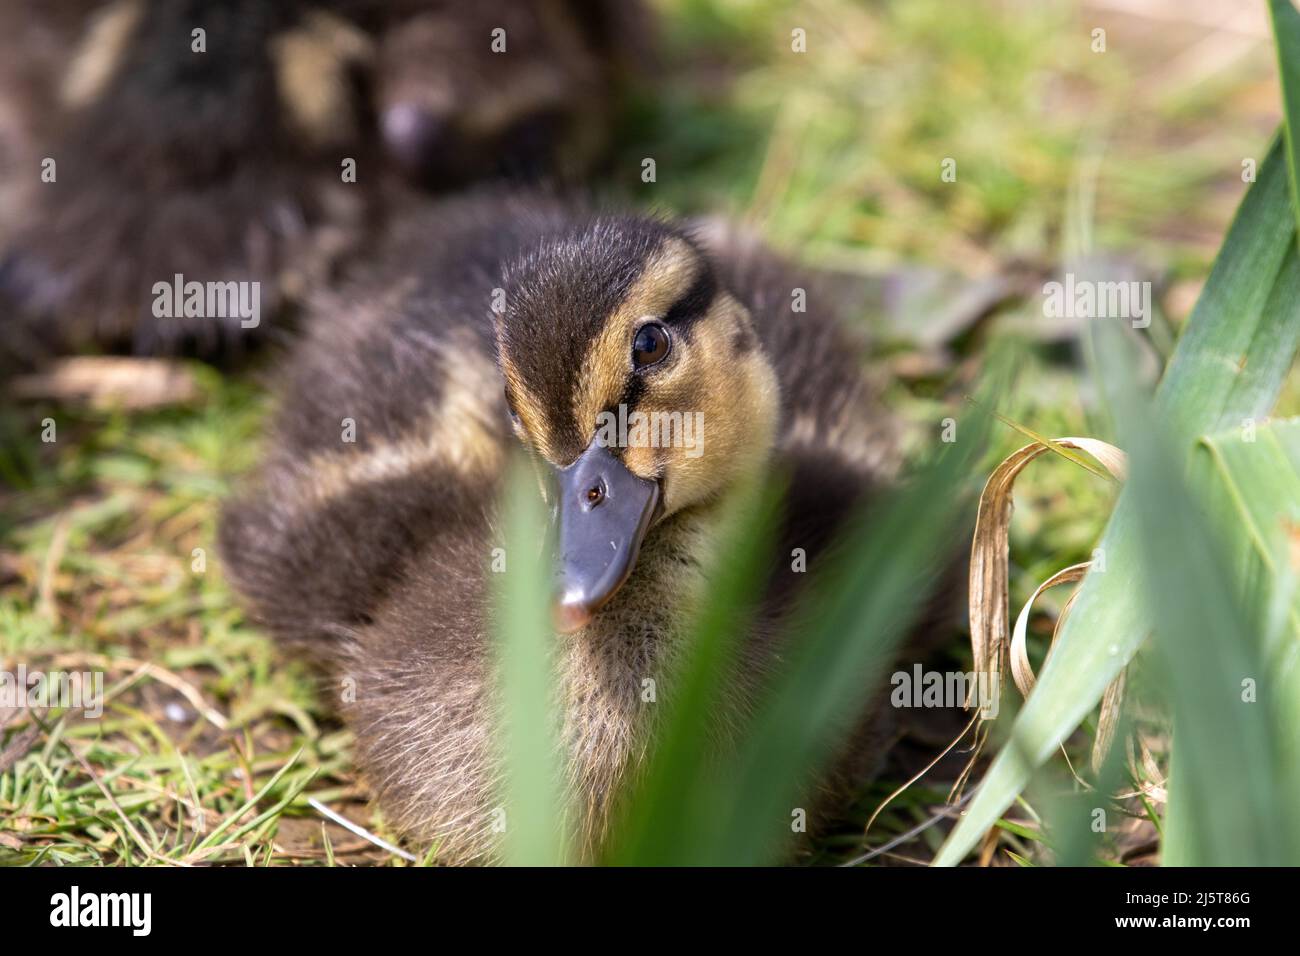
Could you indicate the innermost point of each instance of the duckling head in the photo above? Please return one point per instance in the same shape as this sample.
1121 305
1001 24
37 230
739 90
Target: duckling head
639 384
517 90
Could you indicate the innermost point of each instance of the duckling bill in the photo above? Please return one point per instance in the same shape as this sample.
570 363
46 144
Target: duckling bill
603 512
367 535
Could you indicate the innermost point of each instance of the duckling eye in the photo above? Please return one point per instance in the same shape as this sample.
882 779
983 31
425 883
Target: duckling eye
650 345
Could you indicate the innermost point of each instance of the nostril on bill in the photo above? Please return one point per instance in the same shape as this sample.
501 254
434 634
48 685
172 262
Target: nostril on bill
414 135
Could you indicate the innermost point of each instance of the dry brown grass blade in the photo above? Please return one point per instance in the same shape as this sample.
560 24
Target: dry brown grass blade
1025 679
917 776
989 596
1059 447
1023 674
1021 671
1146 774
1112 703
18 747
147 669
992 643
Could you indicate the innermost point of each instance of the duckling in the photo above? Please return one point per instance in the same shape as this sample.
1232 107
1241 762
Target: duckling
189 138
366 537
211 139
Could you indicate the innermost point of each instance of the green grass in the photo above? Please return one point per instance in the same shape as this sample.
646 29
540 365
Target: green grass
834 156
100 534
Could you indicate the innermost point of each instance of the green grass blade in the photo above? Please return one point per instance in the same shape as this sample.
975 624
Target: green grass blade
1180 844
1229 365
1253 476
1253 473
1241 337
1233 788
1286 34
533 798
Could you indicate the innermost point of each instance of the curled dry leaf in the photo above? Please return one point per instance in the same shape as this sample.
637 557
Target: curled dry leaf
991 645
989 594
1021 672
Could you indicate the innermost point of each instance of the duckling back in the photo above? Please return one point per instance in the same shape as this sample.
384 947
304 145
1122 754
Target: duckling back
391 426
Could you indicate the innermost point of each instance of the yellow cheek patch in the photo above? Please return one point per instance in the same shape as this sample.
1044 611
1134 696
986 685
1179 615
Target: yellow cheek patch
643 461
737 398
605 368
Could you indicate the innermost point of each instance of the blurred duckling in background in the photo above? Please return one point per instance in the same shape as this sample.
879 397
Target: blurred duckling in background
210 139
182 154
503 88
366 538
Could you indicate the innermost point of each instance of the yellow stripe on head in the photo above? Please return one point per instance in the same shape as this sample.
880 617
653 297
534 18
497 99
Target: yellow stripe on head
605 370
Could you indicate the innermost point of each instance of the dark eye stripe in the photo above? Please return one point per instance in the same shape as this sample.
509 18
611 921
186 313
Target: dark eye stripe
692 306
632 393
